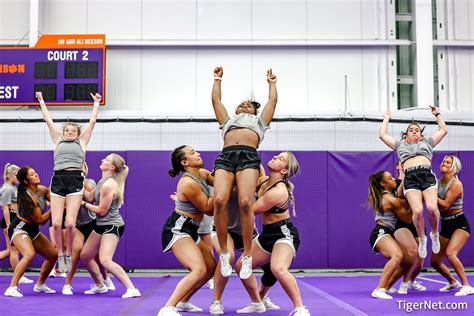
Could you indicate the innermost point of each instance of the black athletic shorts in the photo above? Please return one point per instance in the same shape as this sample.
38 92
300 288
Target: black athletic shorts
67 182
449 224
378 233
109 229
280 232
178 226
87 229
419 178
238 158
17 226
410 227
4 222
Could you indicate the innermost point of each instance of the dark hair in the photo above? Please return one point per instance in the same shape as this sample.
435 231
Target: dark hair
26 205
177 156
375 191
255 105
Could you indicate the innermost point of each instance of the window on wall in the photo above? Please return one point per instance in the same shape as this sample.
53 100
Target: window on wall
405 54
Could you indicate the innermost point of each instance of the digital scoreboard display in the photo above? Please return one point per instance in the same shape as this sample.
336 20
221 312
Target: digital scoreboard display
65 68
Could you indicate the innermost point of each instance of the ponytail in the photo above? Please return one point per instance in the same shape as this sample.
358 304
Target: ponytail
375 192
8 170
121 175
26 205
177 156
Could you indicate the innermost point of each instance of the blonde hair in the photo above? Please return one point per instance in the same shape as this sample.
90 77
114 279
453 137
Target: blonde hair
456 166
77 126
121 170
292 167
9 170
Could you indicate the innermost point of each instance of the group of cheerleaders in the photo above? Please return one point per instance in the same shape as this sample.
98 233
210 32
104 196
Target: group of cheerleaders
223 204
399 233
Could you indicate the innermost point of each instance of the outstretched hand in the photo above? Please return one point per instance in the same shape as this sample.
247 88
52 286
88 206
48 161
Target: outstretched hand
434 110
218 72
39 96
97 97
270 76
387 115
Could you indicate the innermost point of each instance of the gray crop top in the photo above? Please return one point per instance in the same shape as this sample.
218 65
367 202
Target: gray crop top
68 154
187 206
406 150
388 218
9 195
245 120
442 190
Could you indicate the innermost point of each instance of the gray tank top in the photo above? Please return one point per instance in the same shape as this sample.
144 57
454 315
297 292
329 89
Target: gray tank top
40 198
388 218
85 216
406 150
9 195
68 154
113 216
187 206
245 120
442 190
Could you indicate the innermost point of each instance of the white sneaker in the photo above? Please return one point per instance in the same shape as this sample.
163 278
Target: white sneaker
109 284
465 290
57 274
422 248
246 268
381 294
131 293
392 290
67 290
43 288
435 245
216 308
210 284
226 269
252 308
415 285
300 311
25 280
168 311
187 307
13 291
450 286
62 267
269 305
95 289
403 289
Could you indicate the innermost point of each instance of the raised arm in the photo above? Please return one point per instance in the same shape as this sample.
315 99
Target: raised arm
269 109
442 128
193 192
53 132
86 135
387 139
219 109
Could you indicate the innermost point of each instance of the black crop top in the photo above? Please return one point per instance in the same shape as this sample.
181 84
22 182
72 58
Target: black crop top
283 207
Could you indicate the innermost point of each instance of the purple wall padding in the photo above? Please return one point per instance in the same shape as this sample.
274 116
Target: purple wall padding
331 202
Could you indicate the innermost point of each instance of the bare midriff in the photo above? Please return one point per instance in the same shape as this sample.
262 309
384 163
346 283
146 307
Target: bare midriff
270 218
416 161
241 136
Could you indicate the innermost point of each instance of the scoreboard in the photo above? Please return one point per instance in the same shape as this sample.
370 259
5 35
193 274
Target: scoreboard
65 68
